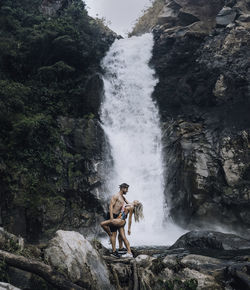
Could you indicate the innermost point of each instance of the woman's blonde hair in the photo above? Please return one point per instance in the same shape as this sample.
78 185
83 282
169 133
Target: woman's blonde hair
138 211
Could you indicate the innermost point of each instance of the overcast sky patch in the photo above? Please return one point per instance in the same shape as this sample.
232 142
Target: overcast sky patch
121 14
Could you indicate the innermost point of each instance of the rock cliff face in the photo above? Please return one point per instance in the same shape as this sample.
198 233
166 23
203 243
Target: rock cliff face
82 206
51 139
201 56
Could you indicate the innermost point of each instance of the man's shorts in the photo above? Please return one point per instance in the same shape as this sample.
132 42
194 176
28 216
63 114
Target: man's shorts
113 229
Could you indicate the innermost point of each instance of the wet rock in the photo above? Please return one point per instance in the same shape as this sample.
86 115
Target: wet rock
20 278
122 275
94 89
103 251
179 13
144 260
185 12
187 18
73 254
170 261
225 16
202 263
201 9
8 286
50 7
177 271
10 242
181 269
204 281
240 275
220 89
147 278
169 14
211 240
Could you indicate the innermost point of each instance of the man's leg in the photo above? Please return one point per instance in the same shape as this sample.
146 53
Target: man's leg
113 240
120 242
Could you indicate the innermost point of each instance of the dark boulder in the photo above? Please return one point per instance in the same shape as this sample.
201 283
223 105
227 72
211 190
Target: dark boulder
240 275
225 16
211 240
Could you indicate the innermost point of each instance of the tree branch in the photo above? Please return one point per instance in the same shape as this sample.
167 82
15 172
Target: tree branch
44 271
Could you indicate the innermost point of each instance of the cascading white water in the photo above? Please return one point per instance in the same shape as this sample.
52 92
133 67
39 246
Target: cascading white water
131 122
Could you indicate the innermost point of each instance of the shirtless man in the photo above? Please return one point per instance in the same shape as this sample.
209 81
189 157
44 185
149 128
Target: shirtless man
116 204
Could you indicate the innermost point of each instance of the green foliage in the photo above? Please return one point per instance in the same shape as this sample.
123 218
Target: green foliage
39 283
70 37
3 271
12 97
11 246
190 284
56 72
157 266
45 63
57 52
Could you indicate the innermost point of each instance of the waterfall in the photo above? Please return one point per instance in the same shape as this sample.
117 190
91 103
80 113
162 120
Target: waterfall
132 125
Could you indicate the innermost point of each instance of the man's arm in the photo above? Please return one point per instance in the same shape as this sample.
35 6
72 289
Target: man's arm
111 206
125 200
130 221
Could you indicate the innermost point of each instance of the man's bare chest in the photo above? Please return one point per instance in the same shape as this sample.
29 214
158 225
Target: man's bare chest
119 202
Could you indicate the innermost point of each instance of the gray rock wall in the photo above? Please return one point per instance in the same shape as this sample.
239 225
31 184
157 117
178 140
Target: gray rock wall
82 207
80 201
50 7
202 61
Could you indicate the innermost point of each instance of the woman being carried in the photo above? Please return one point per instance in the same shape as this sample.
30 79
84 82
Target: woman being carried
135 208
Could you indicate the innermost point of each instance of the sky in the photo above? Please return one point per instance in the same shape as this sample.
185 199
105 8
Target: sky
121 14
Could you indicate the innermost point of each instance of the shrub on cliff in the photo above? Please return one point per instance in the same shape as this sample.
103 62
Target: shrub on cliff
149 18
44 65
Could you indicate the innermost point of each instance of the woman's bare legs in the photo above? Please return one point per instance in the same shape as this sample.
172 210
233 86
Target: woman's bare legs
106 228
115 222
126 242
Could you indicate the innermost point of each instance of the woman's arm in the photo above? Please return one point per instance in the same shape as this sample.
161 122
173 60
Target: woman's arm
130 220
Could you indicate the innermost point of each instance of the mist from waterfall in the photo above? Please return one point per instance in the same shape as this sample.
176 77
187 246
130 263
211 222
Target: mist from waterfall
132 125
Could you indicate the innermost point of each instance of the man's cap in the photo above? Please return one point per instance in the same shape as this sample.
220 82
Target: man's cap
124 185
